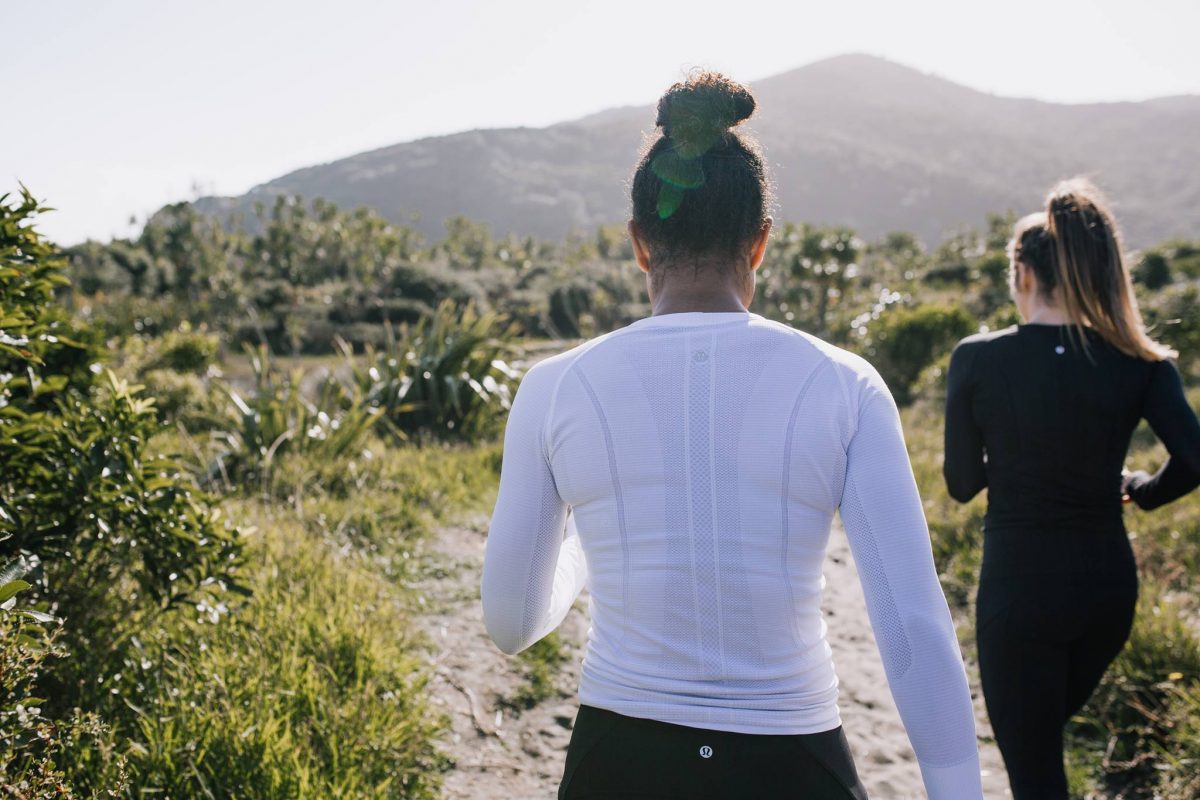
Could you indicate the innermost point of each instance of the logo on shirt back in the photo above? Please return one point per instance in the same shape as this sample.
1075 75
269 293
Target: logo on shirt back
706 752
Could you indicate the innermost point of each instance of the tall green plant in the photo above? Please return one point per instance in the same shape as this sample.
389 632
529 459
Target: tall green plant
277 418
446 377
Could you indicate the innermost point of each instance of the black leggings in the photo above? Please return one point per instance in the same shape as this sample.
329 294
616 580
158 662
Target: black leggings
614 757
1044 644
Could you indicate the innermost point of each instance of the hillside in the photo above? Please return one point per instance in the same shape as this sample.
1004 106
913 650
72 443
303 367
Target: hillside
852 140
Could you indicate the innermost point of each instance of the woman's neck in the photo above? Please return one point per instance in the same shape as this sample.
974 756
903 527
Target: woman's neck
682 291
1044 313
677 305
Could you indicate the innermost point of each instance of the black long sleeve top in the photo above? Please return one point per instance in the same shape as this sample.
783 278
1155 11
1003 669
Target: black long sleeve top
1045 426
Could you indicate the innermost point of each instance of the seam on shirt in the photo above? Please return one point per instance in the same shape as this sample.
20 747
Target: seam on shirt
620 498
786 483
812 343
570 365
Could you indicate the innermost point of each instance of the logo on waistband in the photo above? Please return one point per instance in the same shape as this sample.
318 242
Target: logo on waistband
706 752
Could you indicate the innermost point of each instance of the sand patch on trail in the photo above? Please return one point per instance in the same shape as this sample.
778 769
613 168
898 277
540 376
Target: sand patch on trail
501 754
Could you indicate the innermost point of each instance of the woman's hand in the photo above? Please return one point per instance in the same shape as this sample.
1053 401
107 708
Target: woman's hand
1129 479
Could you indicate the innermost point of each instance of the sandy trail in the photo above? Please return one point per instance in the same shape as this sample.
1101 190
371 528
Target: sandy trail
498 754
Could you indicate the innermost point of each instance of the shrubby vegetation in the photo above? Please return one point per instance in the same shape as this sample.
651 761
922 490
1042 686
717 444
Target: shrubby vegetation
230 631
225 441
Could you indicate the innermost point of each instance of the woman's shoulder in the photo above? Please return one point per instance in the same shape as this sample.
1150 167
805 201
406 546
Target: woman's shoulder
857 376
989 339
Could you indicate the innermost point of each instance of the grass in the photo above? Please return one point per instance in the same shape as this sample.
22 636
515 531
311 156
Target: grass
541 662
314 686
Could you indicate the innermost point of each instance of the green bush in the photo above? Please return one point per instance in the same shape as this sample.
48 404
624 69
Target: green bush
904 341
117 534
1173 316
185 351
444 377
79 490
1152 270
277 418
35 749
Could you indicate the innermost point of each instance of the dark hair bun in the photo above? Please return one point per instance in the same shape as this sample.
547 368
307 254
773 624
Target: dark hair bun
695 113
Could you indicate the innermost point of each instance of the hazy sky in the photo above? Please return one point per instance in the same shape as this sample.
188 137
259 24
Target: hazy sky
116 107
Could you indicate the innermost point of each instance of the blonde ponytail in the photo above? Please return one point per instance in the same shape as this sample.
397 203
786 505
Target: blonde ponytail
1095 287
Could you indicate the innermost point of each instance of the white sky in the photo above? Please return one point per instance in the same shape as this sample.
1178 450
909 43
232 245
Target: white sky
114 107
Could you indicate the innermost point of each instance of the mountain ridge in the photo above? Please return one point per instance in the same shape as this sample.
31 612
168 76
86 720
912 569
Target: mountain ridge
852 140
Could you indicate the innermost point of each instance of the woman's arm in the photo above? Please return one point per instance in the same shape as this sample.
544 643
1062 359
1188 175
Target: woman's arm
963 468
1171 417
885 523
532 571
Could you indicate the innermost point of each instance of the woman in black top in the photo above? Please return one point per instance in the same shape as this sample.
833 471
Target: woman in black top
1041 415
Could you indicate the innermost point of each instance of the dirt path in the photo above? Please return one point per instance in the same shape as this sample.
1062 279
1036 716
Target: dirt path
516 757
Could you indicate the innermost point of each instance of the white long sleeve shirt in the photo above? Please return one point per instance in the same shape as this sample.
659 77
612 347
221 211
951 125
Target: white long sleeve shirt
702 457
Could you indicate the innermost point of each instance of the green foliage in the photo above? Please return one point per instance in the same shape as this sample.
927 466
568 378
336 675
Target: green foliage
311 689
807 275
86 498
1173 316
277 418
542 661
1152 270
445 377
1147 694
34 749
79 491
184 350
904 341
41 350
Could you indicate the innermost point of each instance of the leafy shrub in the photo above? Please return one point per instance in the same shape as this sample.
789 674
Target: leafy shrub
179 397
97 510
1152 270
277 418
118 534
906 340
79 490
184 350
42 350
445 377
1173 316
34 749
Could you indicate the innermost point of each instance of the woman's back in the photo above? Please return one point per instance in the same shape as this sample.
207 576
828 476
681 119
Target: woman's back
704 525
704 456
1056 423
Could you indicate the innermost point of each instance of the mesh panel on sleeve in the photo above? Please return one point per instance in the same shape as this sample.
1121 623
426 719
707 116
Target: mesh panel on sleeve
889 627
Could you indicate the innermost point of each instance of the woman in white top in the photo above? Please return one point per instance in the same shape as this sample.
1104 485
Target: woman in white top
701 453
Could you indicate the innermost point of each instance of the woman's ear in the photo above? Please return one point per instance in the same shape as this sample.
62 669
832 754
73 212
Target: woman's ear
759 248
641 251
